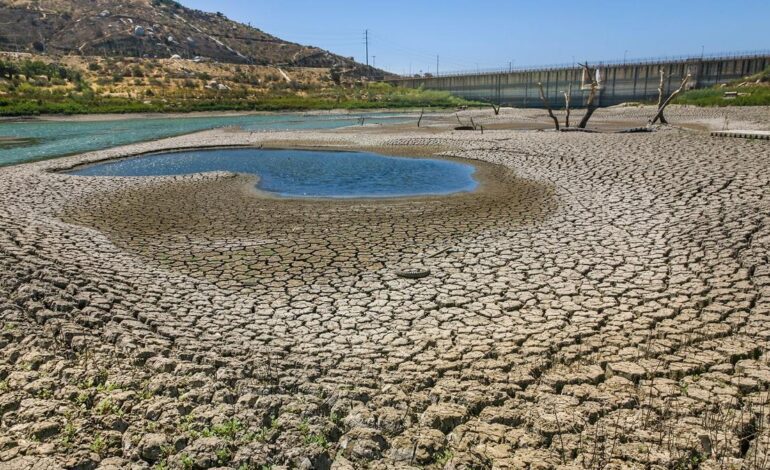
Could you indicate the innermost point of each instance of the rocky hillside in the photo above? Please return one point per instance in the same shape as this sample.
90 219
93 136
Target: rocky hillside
147 28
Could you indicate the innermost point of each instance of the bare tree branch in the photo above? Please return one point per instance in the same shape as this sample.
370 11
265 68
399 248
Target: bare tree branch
567 100
670 99
661 89
590 105
548 105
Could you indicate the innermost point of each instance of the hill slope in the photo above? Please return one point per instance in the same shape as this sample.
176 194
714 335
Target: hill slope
147 28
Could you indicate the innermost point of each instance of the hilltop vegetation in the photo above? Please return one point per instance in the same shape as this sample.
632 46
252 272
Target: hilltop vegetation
81 85
148 29
101 56
749 91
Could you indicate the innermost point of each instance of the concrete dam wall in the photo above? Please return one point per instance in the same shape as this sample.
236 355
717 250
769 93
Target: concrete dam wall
632 81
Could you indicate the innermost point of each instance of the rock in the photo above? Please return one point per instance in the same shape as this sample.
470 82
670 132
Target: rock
341 463
363 445
161 364
390 420
114 463
468 461
31 463
203 451
628 370
413 272
9 402
139 31
44 430
420 448
151 447
444 416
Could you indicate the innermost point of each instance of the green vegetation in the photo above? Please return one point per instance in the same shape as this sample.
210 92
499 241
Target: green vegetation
748 96
68 435
35 102
318 440
31 69
98 445
33 88
751 91
443 457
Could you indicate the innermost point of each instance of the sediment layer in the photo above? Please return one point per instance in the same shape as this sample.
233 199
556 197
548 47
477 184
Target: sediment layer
601 302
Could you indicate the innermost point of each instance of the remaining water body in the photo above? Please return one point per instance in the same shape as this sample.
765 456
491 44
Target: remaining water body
48 139
301 173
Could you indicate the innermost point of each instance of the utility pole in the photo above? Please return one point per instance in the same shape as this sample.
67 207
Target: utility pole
437 57
366 35
374 61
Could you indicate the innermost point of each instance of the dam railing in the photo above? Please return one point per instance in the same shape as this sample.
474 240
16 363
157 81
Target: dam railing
623 80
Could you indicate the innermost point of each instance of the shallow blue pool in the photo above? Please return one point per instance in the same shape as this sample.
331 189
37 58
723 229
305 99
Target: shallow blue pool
303 173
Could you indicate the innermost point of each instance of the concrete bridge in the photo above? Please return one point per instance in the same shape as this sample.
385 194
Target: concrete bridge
622 82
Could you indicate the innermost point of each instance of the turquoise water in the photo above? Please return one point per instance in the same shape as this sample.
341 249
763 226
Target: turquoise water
57 138
302 173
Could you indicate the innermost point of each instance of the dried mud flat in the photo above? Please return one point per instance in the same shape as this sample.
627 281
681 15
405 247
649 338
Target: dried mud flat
602 302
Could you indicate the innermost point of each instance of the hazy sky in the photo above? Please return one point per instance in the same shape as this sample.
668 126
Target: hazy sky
491 33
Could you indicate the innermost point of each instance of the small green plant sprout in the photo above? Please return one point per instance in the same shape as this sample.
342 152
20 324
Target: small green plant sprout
224 456
443 457
98 445
317 439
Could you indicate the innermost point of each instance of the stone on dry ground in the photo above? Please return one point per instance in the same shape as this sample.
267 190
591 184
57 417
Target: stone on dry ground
604 303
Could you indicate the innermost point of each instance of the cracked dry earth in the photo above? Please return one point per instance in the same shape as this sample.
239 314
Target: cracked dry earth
602 302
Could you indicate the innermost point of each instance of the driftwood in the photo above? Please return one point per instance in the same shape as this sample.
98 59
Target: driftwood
634 130
463 126
577 129
567 99
660 94
548 105
670 99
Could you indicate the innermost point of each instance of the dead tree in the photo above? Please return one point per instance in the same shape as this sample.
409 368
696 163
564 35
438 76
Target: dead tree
670 99
548 105
567 99
591 104
496 108
661 89
419 121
